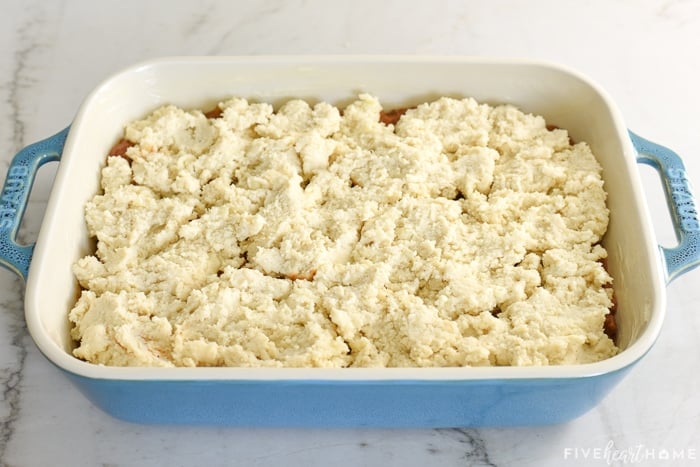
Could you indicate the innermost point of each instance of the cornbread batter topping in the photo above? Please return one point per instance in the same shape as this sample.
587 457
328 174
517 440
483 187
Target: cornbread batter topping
453 234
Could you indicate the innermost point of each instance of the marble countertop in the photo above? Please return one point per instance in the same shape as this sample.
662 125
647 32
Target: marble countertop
644 53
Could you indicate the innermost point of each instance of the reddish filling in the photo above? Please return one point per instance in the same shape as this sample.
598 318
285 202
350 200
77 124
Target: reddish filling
390 117
120 148
216 112
304 276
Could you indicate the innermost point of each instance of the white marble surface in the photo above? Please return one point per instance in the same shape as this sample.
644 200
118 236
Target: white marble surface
645 53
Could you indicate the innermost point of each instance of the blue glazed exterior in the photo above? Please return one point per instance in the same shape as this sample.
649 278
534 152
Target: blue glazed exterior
15 195
681 203
323 403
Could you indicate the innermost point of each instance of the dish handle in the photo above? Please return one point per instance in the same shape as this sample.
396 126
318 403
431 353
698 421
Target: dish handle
15 195
681 203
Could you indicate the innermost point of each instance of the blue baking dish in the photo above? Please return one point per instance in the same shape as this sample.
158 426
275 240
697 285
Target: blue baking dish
352 397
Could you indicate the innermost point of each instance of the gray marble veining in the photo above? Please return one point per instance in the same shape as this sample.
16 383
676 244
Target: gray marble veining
11 371
475 449
21 79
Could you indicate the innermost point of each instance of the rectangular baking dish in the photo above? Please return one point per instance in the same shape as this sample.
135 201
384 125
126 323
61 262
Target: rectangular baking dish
395 397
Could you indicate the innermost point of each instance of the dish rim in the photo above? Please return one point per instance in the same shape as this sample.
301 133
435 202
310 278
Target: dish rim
71 364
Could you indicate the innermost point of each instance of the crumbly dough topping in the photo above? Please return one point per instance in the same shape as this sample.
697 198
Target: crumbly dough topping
464 234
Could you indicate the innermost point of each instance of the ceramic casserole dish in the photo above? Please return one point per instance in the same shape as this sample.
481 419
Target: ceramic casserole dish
394 397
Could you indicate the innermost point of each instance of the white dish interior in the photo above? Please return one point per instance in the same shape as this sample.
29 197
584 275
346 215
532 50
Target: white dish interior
563 97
